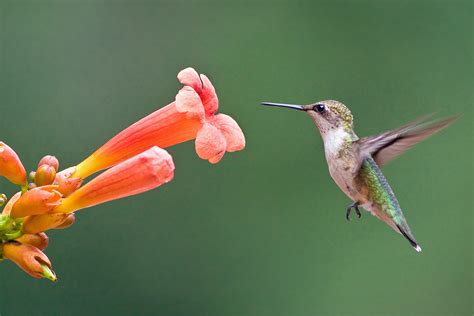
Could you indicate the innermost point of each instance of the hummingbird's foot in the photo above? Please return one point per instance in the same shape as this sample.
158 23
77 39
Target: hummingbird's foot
354 206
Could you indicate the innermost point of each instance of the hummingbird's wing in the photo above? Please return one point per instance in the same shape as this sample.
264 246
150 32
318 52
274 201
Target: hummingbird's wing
389 145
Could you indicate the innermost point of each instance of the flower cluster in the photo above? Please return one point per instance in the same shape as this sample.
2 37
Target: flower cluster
135 161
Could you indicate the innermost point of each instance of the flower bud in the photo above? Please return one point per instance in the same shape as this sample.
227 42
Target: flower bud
67 184
45 174
11 166
50 161
138 174
39 240
70 219
39 200
32 260
39 223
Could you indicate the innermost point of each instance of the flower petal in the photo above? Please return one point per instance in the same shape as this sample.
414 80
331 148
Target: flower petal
190 77
67 182
209 96
210 143
231 130
188 101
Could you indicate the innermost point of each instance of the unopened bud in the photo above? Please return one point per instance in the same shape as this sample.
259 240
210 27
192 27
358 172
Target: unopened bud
32 260
70 219
11 166
45 175
39 240
40 223
39 200
50 161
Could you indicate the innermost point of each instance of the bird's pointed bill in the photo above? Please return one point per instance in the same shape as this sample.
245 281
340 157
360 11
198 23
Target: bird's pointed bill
284 105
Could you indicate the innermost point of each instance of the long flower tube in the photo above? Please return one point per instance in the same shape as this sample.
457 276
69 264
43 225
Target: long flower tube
138 174
190 116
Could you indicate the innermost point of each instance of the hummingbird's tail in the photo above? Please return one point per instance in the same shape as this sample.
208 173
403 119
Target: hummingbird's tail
410 238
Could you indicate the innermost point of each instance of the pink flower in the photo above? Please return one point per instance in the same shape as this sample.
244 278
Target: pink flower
192 115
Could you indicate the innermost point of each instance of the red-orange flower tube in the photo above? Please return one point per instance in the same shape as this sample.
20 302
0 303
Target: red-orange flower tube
138 174
191 115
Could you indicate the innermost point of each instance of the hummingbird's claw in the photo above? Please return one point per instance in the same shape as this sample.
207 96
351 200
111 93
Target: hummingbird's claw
354 206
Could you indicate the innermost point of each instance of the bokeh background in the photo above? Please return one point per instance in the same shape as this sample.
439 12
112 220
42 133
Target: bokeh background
263 232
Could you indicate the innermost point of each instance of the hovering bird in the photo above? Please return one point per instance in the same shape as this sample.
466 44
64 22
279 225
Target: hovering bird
354 163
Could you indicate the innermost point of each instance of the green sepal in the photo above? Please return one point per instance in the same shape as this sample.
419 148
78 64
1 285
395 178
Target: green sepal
48 273
10 228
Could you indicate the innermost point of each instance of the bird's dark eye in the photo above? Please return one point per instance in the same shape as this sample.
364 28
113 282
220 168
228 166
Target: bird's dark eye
320 108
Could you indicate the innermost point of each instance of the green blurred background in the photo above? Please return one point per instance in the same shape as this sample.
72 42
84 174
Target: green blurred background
263 232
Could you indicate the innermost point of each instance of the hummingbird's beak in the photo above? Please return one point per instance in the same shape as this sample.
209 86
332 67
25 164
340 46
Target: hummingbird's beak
290 106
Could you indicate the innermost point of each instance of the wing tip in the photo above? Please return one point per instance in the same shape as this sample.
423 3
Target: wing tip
417 248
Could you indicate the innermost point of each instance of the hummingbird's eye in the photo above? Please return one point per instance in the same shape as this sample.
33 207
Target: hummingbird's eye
320 108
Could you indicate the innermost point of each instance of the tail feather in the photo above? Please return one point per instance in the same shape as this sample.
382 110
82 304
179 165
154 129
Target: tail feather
412 241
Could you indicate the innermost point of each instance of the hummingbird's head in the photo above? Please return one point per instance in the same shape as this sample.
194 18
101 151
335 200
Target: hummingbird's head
327 115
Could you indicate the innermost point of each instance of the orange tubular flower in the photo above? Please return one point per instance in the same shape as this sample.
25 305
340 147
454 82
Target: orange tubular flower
36 201
11 166
138 174
190 116
32 260
39 223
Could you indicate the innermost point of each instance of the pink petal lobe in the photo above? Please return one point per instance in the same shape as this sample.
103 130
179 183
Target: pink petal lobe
188 101
190 77
231 130
209 96
210 143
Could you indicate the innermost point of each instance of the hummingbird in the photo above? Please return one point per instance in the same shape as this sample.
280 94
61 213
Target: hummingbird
354 163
